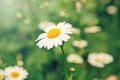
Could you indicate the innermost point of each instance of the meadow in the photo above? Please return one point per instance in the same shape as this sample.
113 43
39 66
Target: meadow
59 40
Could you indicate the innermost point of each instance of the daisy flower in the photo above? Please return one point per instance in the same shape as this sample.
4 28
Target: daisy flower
15 73
99 59
95 60
26 21
76 30
112 9
62 14
74 58
19 15
20 63
78 6
80 43
92 29
1 74
54 35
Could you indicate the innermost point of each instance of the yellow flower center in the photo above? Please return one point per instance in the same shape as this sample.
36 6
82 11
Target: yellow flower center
53 33
14 74
97 60
75 60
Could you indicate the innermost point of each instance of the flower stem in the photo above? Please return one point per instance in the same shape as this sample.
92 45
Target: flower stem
63 63
71 77
62 49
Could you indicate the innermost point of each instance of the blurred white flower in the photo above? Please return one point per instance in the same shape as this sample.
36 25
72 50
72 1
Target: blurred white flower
112 9
19 15
15 73
106 58
92 29
43 25
99 59
78 6
54 35
80 43
74 58
76 30
20 63
27 21
95 60
62 14
46 4
2 75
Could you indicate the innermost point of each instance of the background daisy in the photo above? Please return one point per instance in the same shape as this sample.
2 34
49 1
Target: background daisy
74 58
43 25
2 75
15 73
80 43
92 29
99 59
95 60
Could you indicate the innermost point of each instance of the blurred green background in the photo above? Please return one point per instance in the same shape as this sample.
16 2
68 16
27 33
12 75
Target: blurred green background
19 20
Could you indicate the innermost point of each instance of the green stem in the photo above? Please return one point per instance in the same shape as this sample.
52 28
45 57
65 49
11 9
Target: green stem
71 77
63 63
62 49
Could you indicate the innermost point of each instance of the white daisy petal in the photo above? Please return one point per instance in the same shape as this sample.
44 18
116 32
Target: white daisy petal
65 37
49 28
66 26
67 31
57 42
41 36
60 24
41 43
